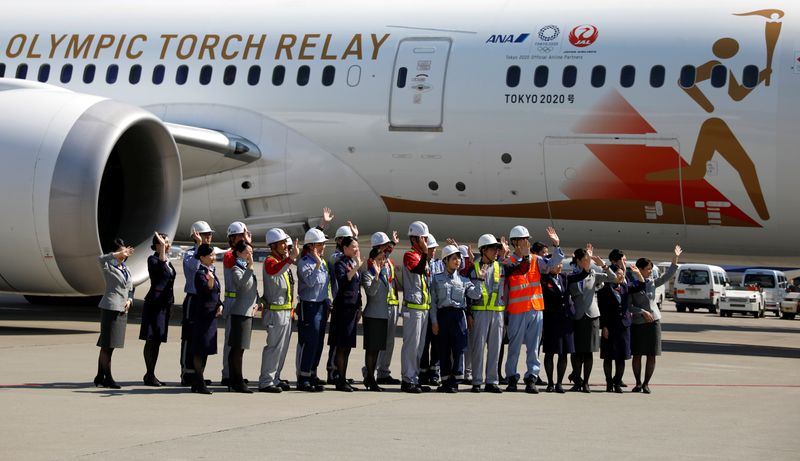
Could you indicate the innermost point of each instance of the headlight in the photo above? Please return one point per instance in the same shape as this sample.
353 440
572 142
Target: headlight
752 300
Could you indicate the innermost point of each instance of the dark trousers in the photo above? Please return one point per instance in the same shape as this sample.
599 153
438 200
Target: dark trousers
313 318
186 358
452 339
429 363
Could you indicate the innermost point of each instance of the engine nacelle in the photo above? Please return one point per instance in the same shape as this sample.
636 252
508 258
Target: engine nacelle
77 172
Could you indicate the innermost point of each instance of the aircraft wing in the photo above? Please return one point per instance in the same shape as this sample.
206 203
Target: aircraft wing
205 151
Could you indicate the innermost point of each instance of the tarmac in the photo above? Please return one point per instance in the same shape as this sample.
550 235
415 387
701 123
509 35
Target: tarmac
725 388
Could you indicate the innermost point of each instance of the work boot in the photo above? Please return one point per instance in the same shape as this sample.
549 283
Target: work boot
530 385
512 384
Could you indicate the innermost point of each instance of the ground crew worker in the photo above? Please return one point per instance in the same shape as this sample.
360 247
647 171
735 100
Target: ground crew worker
201 233
416 303
525 304
487 315
381 285
464 269
237 231
429 363
277 315
449 292
314 291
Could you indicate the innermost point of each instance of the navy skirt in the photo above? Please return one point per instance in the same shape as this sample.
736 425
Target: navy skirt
557 334
618 344
646 338
344 323
204 335
155 322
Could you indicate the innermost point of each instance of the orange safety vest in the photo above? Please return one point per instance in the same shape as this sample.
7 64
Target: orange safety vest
525 290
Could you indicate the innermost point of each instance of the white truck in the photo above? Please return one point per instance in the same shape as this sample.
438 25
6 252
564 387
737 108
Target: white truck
748 300
790 305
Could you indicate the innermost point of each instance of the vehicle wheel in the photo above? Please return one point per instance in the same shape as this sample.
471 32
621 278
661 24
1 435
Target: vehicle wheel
680 308
713 309
778 313
721 313
691 309
785 316
791 316
756 314
730 314
763 312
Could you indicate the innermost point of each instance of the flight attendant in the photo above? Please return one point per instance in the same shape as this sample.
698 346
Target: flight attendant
557 336
201 233
114 306
157 305
346 311
582 287
205 309
615 324
646 319
237 231
245 304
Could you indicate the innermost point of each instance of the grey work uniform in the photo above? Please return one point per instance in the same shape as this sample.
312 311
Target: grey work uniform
416 303
385 356
487 328
277 319
119 289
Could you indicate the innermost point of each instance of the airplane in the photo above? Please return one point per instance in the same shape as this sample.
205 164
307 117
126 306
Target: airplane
623 123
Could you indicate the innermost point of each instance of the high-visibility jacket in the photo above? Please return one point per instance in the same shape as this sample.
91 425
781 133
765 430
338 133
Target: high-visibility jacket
524 286
391 297
489 301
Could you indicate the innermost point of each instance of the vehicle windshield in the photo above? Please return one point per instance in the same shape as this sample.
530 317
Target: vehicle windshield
763 280
693 277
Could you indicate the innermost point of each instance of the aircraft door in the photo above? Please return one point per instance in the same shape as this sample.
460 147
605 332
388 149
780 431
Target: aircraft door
417 97
599 183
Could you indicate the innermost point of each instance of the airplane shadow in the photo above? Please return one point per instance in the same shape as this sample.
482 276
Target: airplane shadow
692 328
697 347
16 331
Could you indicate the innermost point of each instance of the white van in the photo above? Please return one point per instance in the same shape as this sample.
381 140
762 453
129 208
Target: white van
699 285
772 282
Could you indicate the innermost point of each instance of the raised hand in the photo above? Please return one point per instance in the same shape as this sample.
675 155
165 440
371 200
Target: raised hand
395 237
327 217
353 229
484 271
296 249
590 250
451 241
196 237
598 260
551 233
504 243
678 250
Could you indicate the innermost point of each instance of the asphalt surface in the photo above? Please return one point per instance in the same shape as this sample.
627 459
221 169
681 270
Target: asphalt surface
725 388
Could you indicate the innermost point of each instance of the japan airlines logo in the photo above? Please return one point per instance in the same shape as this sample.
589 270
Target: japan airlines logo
583 35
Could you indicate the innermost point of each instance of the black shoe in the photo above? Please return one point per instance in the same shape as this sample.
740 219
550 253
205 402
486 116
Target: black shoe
331 380
636 388
434 380
284 385
452 389
225 382
550 388
305 386
559 389
185 381
576 388
240 388
645 388
98 380
476 389
201 390
410 388
621 384
585 388
493 389
318 388
152 381
530 387
503 380
539 381
109 382
575 379
609 387
344 387
271 389
423 389
372 386
617 389
388 380
512 385
442 389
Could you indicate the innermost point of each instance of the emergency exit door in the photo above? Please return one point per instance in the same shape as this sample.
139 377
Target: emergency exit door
416 101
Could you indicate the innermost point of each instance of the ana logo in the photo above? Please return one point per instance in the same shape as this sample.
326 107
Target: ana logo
548 33
583 35
507 38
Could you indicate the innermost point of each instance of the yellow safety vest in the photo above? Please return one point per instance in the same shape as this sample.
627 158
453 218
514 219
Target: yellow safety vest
425 304
490 306
391 298
330 293
288 305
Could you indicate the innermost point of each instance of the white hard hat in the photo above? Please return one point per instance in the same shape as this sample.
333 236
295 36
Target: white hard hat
276 235
418 229
450 250
464 250
487 240
344 231
379 238
519 232
289 241
201 227
431 241
236 227
314 236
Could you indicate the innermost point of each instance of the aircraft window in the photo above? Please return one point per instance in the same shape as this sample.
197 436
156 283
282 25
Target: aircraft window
569 77
328 74
512 76
44 72
182 74
627 76
540 76
687 76
657 74
253 75
433 185
598 76
505 158
303 74
229 76
353 75
111 74
2 70
750 76
66 73
88 73
402 73
158 74
22 71
719 76
278 74
205 74
135 74
460 186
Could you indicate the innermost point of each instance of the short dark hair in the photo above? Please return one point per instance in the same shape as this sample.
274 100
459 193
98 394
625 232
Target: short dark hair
119 243
579 254
347 241
240 246
641 263
374 252
616 255
203 250
155 240
537 247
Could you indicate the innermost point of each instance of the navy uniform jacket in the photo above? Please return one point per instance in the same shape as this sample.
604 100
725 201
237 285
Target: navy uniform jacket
206 300
557 301
162 281
613 301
